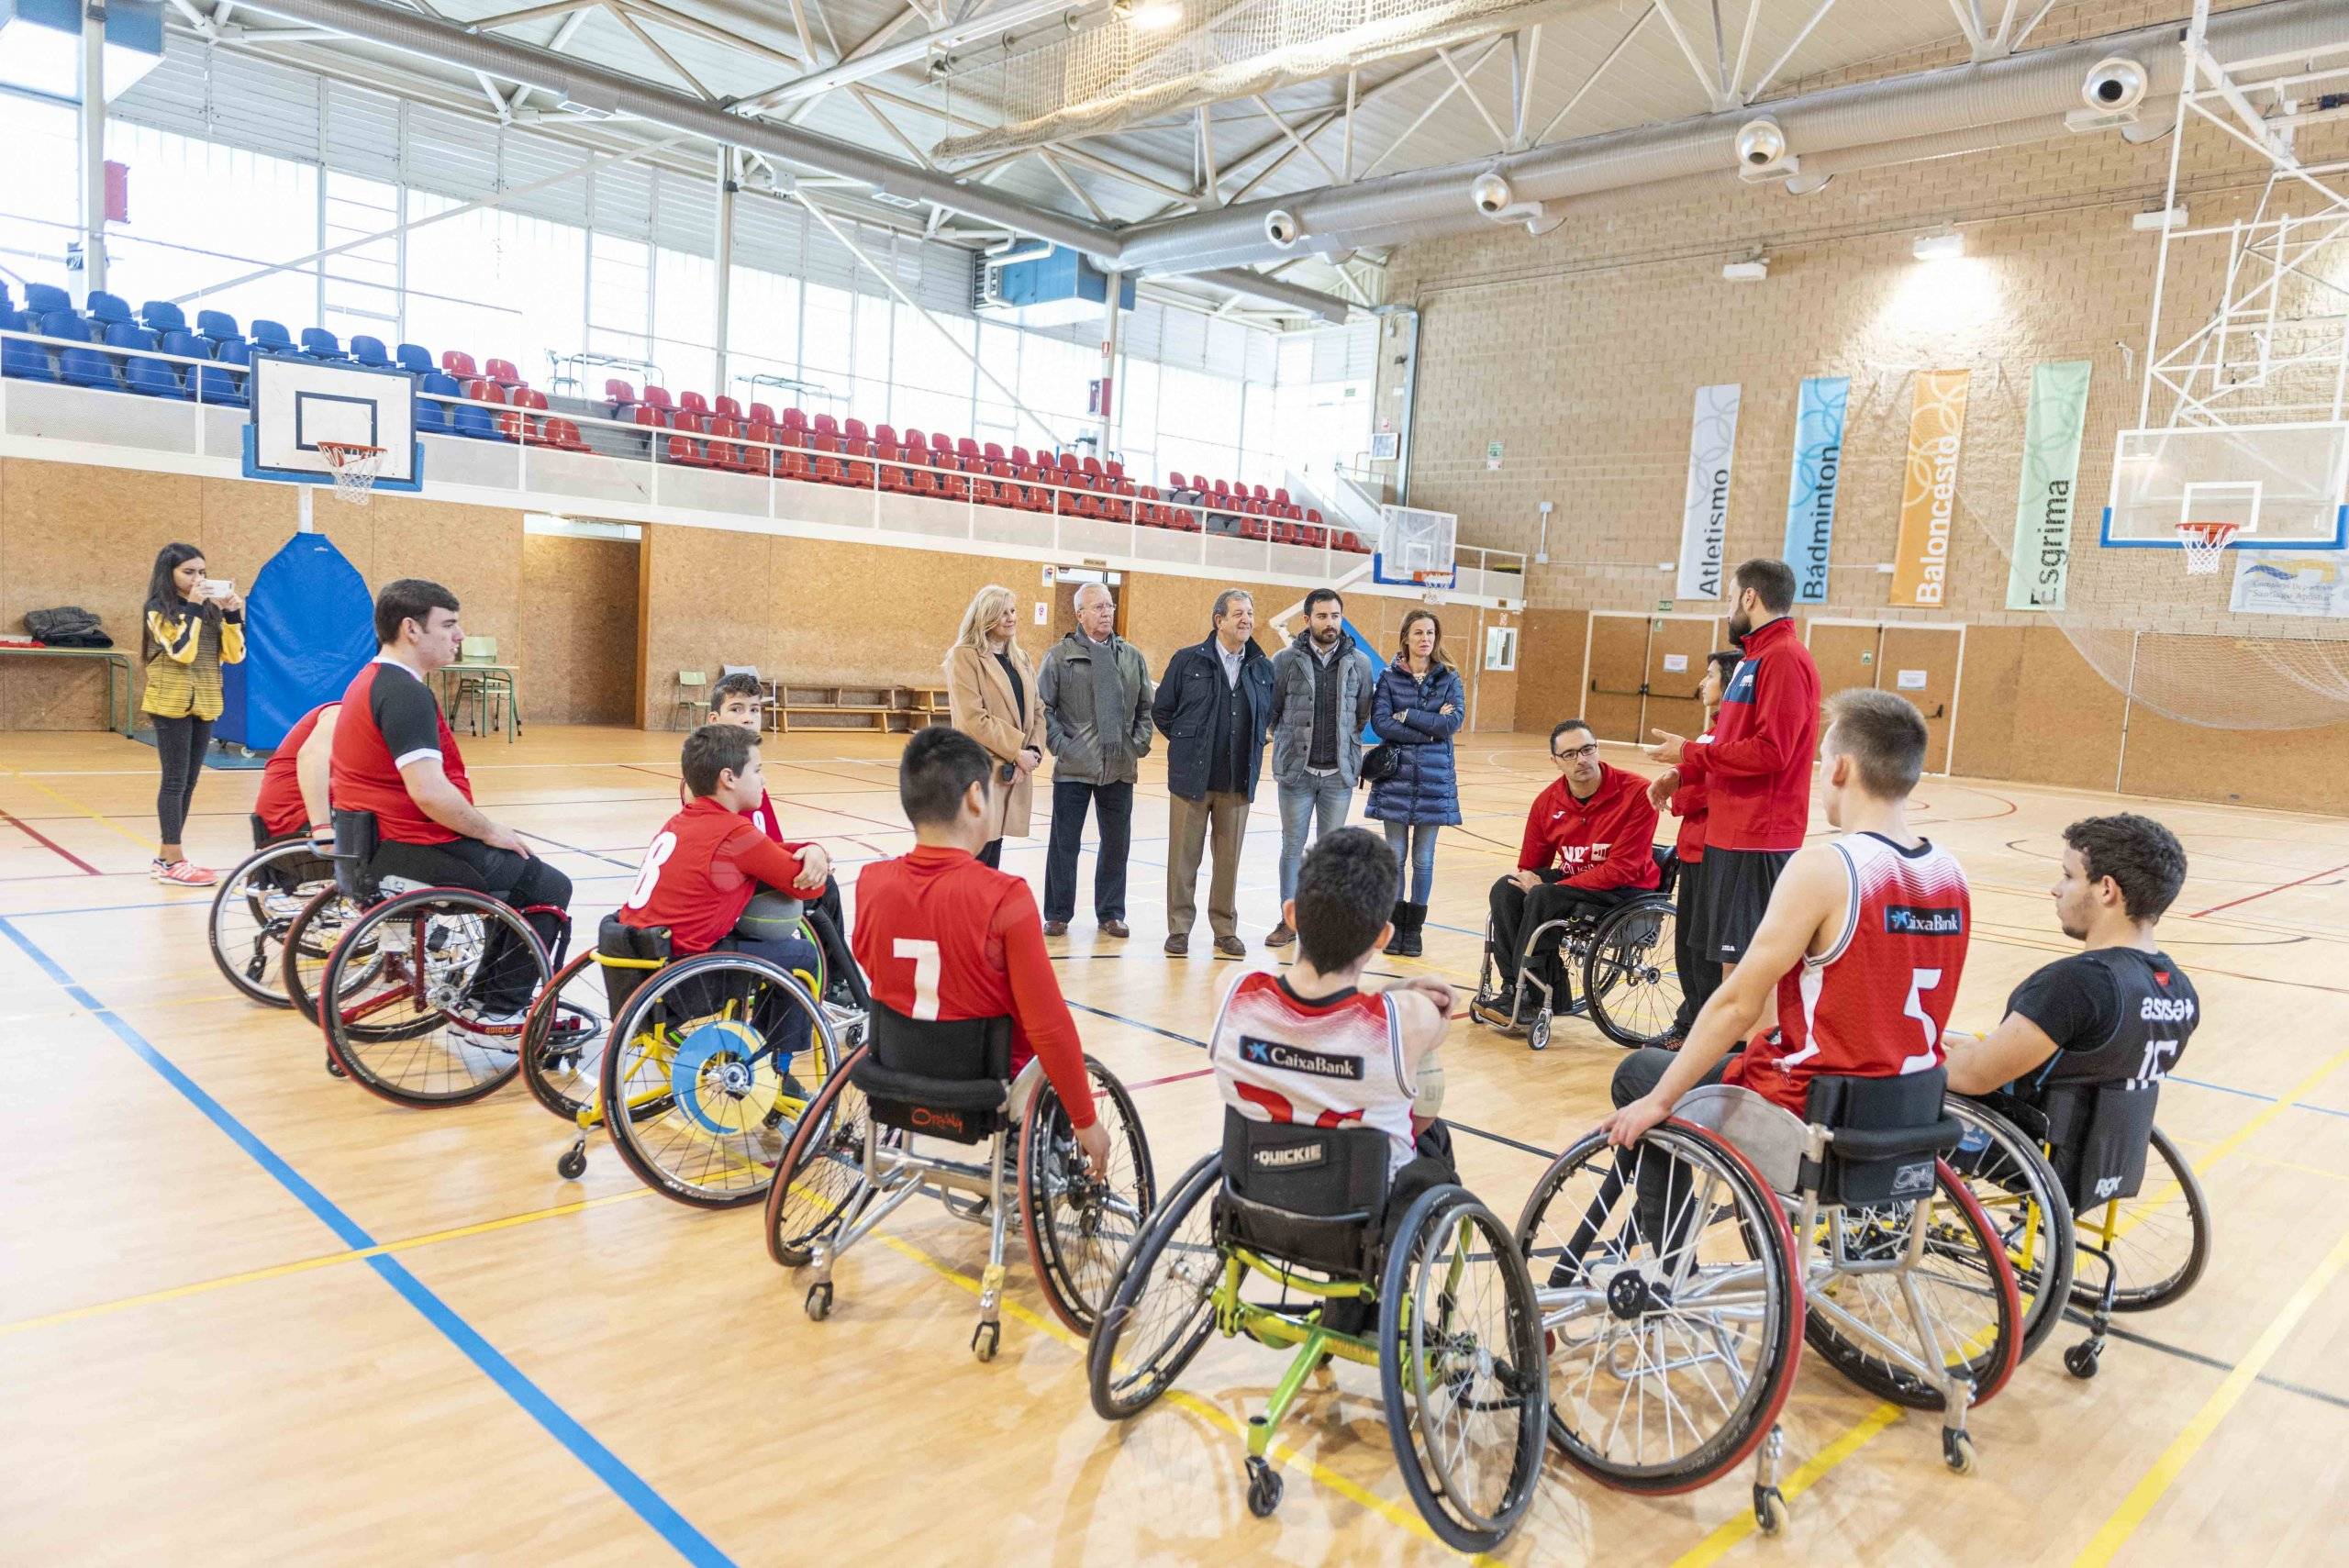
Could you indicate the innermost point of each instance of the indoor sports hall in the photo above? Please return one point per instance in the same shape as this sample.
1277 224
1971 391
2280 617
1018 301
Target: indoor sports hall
678 682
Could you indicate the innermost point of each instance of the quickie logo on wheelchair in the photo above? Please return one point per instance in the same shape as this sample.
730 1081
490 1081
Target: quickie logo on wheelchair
928 1118
1294 1157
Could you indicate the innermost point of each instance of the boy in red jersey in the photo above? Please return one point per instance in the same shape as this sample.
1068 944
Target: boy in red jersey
293 797
740 699
939 935
1862 942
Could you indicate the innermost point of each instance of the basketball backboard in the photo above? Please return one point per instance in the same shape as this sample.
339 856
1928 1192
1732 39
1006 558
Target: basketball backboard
1415 546
2283 486
297 403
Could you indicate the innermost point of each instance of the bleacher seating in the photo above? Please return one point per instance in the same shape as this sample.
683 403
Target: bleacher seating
416 361
270 338
369 352
162 316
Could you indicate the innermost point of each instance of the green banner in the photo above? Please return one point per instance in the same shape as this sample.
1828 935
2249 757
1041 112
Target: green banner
2051 474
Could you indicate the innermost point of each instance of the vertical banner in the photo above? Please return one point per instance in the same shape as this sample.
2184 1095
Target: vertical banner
1928 495
1811 489
1704 525
2050 472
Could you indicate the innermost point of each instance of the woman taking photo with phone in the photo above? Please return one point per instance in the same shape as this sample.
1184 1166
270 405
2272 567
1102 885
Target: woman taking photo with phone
194 625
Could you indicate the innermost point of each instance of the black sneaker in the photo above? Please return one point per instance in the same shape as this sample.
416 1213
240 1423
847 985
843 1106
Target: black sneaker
1497 1010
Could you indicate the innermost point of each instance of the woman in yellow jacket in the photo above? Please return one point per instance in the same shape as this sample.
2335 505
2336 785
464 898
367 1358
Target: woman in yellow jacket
188 636
991 698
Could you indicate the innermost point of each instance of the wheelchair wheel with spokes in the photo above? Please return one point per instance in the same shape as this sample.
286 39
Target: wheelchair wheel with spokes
310 939
707 1074
1162 1301
1892 1330
2159 1240
427 989
255 907
562 1040
1629 976
1670 1301
823 1167
2024 1202
1080 1223
1462 1370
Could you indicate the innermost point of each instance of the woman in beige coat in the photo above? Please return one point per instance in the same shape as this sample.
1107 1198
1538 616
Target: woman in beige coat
991 698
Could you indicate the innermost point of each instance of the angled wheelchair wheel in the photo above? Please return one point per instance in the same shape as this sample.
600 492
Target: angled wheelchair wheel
255 907
1895 1329
707 1074
414 985
2024 1202
1080 1223
562 1040
1462 1370
1162 1300
822 1170
311 938
1627 974
1670 1300
2159 1240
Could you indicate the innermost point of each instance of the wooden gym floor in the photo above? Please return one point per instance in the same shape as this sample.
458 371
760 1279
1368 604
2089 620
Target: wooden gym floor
249 1313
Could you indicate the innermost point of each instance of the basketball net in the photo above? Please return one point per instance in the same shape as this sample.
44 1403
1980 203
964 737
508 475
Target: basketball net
2205 546
354 468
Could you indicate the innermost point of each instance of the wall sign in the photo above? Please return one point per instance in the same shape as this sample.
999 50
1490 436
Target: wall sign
1928 494
1492 454
1816 478
1909 681
1676 663
2051 471
1384 445
1704 521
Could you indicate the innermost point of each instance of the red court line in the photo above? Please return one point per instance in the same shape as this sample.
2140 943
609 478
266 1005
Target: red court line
38 838
1170 1078
2266 891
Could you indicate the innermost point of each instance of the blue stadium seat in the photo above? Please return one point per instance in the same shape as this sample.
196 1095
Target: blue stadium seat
216 325
25 361
155 378
226 387
418 359
186 344
432 417
11 320
473 419
7 300
65 324
41 299
105 307
369 351
162 316
317 343
270 338
87 367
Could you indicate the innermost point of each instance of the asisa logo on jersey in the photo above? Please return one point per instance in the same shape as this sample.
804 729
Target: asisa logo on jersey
1920 921
2166 1010
1296 1059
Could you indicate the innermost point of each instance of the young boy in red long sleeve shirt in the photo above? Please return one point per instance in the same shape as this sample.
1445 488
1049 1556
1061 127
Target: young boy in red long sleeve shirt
1589 844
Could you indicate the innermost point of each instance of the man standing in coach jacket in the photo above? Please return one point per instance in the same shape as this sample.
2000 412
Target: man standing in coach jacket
1215 708
1321 686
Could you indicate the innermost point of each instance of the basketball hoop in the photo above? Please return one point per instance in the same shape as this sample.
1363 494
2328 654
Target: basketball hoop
353 468
2205 545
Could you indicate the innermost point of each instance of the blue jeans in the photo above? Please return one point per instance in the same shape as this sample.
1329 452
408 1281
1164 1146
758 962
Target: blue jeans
1415 843
789 954
1300 804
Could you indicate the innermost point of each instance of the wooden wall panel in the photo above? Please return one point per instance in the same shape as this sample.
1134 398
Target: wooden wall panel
708 603
1985 743
579 640
864 614
2067 717
1549 667
2298 770
473 551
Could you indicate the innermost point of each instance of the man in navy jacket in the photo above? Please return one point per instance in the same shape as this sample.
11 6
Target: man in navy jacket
1215 708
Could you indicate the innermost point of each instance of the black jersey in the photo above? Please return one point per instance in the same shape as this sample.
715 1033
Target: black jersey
2119 1018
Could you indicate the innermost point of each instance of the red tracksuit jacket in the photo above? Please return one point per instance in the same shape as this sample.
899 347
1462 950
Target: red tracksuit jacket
1601 843
1757 765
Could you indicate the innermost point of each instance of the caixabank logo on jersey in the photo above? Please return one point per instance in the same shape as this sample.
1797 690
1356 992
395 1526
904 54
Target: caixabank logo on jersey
1923 920
1296 1059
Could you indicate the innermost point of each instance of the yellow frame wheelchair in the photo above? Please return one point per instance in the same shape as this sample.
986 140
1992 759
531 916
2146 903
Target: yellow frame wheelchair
1456 1342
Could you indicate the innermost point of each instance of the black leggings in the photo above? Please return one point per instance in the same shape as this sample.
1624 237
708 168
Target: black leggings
180 743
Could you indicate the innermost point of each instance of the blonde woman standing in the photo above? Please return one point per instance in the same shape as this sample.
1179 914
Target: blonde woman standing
991 698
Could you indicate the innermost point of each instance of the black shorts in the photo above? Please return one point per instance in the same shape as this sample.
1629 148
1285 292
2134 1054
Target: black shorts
1737 885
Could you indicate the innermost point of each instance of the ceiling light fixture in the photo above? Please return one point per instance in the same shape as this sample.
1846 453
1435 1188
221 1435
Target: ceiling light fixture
1155 16
1940 245
41 46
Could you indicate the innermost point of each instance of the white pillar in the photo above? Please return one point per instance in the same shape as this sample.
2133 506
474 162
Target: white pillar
93 152
1112 332
723 263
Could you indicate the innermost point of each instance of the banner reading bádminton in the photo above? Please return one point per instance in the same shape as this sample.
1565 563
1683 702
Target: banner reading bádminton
1928 494
1704 525
1810 488
2051 473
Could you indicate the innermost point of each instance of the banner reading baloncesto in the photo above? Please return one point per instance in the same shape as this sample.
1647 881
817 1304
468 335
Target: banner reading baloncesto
1704 523
1928 494
2051 475
1811 489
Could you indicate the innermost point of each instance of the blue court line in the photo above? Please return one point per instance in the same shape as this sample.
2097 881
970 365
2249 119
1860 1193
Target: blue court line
2250 1094
625 1483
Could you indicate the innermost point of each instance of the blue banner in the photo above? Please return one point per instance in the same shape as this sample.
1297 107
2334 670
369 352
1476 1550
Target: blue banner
1810 488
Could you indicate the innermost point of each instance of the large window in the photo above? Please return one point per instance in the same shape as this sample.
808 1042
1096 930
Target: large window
202 214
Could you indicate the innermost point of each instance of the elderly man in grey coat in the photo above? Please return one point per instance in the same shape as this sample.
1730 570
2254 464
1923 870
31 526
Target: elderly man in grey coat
1096 691
1321 691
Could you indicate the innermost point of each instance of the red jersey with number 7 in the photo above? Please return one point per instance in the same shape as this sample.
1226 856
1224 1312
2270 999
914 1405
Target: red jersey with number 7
1874 1004
941 936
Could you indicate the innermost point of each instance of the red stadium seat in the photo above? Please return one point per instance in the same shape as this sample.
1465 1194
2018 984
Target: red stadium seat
993 453
619 395
657 397
795 421
1019 458
692 402
727 406
763 415
458 363
501 372
950 481
972 459
760 454
482 391
1093 469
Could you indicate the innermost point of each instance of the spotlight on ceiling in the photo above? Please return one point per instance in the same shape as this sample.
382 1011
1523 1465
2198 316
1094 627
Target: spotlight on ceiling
1940 245
1153 16
1752 270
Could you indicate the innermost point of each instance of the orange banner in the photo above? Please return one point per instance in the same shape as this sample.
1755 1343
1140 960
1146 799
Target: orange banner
1929 497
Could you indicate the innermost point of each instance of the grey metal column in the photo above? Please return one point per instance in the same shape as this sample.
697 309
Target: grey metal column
1112 380
723 260
94 151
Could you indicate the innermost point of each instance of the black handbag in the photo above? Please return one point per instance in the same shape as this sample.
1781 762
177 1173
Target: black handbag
1380 763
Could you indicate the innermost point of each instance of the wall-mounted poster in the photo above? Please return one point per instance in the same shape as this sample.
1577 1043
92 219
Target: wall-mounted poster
1928 494
1704 522
1812 485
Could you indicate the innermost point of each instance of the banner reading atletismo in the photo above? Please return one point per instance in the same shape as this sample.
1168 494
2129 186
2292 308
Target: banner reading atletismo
1704 525
2050 472
1811 489
1928 495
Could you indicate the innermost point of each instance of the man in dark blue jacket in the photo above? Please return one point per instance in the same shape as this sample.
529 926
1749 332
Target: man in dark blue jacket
1215 708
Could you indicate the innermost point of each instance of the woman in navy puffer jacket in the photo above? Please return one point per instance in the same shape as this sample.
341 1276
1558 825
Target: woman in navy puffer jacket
1418 703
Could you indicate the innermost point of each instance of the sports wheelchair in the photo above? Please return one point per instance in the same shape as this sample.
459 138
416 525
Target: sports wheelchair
854 1160
256 907
1671 1282
2083 1180
1457 1339
397 995
710 1099
1631 982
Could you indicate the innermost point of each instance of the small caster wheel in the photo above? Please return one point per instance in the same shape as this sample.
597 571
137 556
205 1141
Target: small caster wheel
574 1163
334 1068
985 1339
1769 1510
1263 1488
2082 1359
1957 1451
819 1301
1537 1033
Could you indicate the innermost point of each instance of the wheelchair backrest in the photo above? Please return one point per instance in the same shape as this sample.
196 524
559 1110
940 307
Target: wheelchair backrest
356 840
1886 1134
946 1078
634 952
2098 1135
1312 1196
1667 865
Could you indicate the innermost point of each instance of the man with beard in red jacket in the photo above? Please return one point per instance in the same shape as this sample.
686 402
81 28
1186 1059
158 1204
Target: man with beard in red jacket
1589 845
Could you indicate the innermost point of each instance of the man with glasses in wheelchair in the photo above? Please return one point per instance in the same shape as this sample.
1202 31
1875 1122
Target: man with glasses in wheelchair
1588 846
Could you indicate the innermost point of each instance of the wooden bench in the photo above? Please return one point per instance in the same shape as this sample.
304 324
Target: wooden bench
884 710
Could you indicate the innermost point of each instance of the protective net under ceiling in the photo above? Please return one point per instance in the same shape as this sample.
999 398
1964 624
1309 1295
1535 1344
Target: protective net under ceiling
1162 56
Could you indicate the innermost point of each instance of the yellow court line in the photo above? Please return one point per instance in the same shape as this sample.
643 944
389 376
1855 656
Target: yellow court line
303 1265
2234 1139
1812 1470
106 822
2117 1529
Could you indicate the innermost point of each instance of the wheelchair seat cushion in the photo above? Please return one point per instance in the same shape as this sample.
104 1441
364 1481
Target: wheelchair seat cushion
948 1078
1309 1196
1887 1132
634 946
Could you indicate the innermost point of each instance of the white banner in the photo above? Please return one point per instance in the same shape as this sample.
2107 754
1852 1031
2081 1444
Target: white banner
1704 527
2290 582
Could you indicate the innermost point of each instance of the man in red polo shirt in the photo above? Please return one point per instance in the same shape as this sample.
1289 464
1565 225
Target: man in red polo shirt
1589 844
293 797
394 755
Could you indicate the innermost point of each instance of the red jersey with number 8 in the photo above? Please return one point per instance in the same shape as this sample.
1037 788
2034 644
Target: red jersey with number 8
1874 1004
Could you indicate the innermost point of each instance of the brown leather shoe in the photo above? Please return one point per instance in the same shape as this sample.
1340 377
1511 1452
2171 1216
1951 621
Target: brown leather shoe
1178 944
1230 947
1115 928
1056 928
1280 936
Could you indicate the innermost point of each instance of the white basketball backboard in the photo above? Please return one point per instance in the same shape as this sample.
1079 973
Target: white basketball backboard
298 403
1415 546
2283 486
